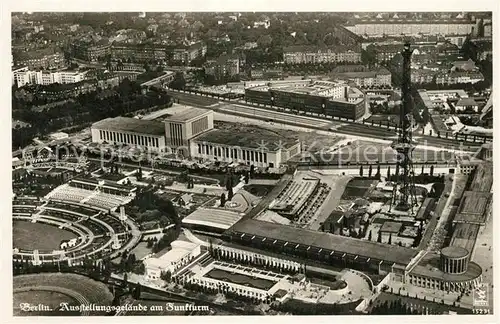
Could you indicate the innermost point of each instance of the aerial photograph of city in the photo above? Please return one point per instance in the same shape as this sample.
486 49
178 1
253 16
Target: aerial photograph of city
251 163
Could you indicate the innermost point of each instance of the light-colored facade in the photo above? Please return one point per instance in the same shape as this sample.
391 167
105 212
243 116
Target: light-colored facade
179 130
45 61
25 76
131 132
313 55
222 67
189 53
148 141
367 79
181 254
246 155
380 28
459 77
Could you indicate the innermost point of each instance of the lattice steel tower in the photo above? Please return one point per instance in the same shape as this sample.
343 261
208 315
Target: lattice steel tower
404 190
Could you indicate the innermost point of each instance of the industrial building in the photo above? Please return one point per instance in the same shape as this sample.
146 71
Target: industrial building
334 99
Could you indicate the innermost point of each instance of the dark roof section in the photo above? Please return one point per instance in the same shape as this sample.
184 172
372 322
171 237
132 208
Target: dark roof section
325 241
187 114
473 207
454 252
247 137
391 227
131 125
466 102
425 209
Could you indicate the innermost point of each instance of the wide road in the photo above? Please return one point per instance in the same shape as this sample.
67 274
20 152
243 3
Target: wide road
193 100
340 127
274 116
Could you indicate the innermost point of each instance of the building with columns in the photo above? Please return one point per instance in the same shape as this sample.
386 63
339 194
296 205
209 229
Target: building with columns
183 126
450 270
250 145
148 134
320 247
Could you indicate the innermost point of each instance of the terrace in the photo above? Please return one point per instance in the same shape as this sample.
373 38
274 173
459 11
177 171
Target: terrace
116 224
60 214
24 209
313 205
72 207
106 201
68 193
95 227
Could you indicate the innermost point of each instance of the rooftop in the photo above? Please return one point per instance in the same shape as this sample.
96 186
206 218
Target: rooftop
317 49
212 217
427 206
483 178
473 206
454 252
429 267
391 227
132 125
465 235
325 241
178 251
410 21
466 102
246 136
186 113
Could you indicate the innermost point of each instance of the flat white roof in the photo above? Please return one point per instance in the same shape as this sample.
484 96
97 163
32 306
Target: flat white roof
213 217
179 250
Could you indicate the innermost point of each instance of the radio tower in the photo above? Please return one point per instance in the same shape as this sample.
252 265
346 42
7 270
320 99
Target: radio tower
404 190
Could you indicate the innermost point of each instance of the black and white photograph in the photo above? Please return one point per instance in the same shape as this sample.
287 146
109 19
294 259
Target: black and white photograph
234 163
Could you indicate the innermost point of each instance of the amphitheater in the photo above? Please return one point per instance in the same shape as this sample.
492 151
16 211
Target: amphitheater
54 290
100 233
101 194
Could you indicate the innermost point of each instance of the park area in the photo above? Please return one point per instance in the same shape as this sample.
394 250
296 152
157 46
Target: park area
38 236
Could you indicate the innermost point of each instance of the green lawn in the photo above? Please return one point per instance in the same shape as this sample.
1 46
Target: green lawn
33 236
